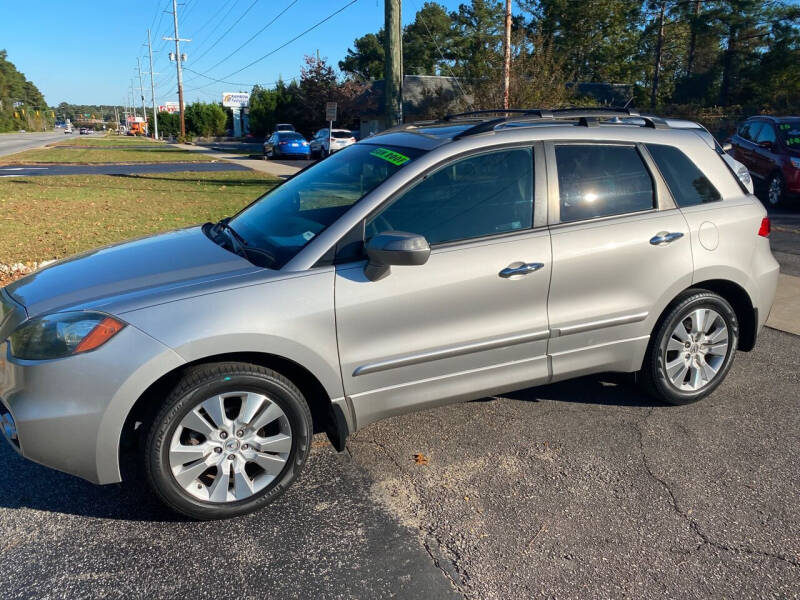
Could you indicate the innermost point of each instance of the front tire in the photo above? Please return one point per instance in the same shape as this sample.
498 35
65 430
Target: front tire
230 438
692 348
776 189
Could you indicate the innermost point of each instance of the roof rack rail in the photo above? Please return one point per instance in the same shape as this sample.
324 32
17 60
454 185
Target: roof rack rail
586 116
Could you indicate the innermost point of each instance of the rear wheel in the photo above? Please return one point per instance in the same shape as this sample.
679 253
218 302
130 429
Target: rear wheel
776 189
229 439
692 348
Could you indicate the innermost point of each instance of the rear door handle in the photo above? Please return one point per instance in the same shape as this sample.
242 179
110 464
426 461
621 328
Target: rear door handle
663 238
516 270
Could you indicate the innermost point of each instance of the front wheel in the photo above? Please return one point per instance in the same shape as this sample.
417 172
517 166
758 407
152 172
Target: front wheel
230 438
692 348
776 189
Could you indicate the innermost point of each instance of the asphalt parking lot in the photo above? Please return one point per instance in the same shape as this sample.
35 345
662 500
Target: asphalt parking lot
573 490
579 489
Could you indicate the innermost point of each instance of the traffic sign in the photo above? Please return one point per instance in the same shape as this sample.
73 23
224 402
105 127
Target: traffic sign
330 111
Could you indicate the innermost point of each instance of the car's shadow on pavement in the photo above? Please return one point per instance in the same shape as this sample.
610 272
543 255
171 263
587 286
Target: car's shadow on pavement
24 484
607 389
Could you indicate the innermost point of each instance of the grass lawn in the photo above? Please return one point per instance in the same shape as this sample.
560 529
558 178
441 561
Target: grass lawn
107 149
42 218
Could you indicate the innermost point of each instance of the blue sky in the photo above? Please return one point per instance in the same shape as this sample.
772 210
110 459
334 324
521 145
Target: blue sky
85 52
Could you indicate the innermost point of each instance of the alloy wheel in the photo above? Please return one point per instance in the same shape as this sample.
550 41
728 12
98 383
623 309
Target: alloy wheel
775 190
230 446
696 349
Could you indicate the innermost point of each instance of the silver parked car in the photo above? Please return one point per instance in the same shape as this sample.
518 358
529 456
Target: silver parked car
429 264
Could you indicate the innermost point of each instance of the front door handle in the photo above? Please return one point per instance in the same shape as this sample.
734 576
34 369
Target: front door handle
663 238
518 269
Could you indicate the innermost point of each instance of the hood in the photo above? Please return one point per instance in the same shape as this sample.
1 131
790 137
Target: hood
161 263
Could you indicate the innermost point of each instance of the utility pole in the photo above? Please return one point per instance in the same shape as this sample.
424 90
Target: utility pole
177 39
507 56
393 70
141 88
152 85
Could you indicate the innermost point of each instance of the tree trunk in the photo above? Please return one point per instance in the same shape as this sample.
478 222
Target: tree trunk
693 40
727 67
507 57
659 52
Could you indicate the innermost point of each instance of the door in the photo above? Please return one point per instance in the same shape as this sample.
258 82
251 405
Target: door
765 159
621 251
473 319
745 149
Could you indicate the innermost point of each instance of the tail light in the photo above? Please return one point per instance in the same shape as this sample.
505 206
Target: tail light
282 143
766 227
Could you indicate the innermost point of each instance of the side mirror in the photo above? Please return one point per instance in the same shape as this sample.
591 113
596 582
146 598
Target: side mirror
765 144
727 147
394 248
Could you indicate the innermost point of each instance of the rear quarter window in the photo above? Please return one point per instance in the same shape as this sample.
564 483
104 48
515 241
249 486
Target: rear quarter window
687 183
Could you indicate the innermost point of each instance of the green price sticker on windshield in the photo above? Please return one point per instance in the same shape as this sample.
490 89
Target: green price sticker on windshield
391 156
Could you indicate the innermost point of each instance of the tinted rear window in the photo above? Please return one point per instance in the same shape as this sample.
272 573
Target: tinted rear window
290 136
342 134
599 181
686 182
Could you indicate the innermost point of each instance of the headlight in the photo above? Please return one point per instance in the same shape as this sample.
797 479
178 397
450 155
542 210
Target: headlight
795 162
62 334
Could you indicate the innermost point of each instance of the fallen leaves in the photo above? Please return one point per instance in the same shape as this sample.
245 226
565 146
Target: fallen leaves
420 459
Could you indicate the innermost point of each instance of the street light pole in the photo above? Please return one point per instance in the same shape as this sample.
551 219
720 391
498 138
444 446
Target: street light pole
177 39
152 85
141 88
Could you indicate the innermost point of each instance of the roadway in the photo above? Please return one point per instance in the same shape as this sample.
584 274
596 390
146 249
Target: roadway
11 143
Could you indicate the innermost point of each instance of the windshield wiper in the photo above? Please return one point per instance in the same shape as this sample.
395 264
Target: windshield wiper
241 247
225 225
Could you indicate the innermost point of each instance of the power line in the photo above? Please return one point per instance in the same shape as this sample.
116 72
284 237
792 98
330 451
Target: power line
228 30
252 37
295 38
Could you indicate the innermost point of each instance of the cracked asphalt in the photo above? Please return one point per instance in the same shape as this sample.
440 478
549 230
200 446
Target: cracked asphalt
579 489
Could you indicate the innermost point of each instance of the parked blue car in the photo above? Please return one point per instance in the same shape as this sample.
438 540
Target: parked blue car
286 144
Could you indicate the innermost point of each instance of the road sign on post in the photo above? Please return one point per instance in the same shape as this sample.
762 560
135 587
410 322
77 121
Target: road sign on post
330 111
330 117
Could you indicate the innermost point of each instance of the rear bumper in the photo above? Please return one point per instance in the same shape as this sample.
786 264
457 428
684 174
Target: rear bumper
765 270
68 414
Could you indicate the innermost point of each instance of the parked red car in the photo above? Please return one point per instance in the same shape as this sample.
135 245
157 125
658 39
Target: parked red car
770 148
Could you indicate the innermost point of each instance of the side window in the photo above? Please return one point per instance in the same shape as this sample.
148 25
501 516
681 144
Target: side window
753 127
686 182
767 134
481 195
598 181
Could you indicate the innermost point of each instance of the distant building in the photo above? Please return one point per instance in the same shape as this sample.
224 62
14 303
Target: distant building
424 97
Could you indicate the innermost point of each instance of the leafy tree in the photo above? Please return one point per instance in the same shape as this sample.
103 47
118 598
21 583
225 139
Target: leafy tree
366 61
205 119
22 105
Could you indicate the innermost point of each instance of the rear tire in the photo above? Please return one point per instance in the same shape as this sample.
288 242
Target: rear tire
692 348
229 439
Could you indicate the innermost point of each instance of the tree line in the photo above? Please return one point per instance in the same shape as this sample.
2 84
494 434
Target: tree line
673 52
22 105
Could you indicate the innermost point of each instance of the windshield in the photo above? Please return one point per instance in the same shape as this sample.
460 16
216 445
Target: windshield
789 132
287 218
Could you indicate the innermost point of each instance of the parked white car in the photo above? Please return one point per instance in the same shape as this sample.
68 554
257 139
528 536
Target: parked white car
323 144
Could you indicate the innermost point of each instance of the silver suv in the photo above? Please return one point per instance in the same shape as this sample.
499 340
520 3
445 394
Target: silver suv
430 264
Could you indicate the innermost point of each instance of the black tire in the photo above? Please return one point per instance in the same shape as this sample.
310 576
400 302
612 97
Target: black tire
776 197
653 375
199 384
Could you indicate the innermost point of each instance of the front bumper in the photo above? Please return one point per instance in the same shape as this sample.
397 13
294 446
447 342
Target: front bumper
68 413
